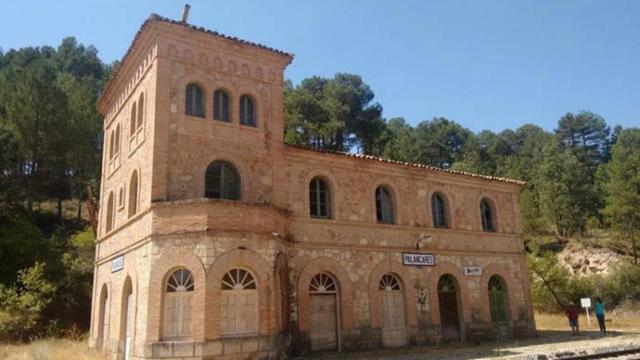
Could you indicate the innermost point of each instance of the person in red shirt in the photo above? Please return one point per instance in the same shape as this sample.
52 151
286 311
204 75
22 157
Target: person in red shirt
573 312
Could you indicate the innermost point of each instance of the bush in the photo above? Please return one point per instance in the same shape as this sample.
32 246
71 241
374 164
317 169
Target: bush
21 306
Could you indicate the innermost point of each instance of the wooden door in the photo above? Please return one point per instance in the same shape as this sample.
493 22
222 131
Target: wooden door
449 320
393 319
323 331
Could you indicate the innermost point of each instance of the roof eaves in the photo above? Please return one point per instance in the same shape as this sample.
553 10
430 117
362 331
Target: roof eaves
410 164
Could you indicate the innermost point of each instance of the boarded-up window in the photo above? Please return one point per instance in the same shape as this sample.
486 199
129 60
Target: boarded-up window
239 304
140 111
110 215
133 194
178 304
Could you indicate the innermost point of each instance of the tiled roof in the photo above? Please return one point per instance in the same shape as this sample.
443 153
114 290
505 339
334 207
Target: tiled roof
156 17
410 164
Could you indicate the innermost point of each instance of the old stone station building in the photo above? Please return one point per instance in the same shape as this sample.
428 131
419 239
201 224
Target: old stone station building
217 240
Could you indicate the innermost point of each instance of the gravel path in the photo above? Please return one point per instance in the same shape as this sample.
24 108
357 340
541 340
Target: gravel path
548 345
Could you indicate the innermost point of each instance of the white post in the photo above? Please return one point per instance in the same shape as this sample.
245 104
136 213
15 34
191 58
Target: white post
586 309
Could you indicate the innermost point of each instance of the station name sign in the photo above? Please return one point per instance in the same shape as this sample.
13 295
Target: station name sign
117 264
417 259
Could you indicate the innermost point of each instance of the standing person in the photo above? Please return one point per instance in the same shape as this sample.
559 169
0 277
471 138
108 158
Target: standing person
573 312
600 316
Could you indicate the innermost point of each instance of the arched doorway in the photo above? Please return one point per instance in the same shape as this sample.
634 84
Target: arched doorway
498 300
323 291
394 331
239 303
103 319
449 310
127 317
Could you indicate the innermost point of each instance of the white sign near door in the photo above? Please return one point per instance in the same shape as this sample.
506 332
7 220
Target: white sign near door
473 271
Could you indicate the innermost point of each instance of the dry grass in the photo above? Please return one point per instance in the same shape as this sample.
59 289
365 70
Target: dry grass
55 349
50 349
625 322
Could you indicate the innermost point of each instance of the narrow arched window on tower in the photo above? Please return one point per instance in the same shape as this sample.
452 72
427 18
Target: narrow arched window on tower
319 199
140 111
133 194
384 206
110 213
247 111
194 101
132 123
221 105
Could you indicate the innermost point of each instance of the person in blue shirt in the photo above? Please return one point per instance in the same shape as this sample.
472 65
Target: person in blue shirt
600 316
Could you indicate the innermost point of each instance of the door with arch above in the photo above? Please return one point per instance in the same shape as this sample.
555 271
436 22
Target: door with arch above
323 293
449 312
394 332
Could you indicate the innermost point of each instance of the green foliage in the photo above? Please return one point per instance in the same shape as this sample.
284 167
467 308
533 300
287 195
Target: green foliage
22 305
21 243
622 185
335 114
49 126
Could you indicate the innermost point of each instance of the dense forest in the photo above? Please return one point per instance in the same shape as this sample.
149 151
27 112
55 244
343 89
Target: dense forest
582 177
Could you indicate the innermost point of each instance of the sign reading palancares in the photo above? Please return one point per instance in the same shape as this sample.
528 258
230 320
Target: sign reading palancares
417 259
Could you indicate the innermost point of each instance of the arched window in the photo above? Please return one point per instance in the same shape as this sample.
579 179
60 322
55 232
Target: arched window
389 282
247 111
498 299
439 211
112 144
384 206
319 199
110 206
133 194
140 111
178 304
222 181
194 101
132 123
323 283
486 213
239 303
221 105
117 141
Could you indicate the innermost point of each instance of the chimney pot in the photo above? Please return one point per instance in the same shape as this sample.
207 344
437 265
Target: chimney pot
185 13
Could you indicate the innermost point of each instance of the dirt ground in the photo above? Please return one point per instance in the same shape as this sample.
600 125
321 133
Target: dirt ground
548 345
554 339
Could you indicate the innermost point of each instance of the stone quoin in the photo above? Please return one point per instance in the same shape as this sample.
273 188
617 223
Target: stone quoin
217 240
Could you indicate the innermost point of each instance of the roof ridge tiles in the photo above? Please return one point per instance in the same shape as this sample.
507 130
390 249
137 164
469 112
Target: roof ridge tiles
410 164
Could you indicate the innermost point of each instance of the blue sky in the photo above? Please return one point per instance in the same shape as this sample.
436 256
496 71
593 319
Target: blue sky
486 64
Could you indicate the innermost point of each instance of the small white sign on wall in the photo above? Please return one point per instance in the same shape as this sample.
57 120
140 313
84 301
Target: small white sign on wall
117 264
473 271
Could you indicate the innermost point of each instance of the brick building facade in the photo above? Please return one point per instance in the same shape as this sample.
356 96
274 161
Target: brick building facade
217 240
